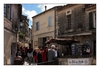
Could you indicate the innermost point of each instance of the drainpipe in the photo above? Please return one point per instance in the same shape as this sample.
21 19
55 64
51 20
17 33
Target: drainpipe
55 22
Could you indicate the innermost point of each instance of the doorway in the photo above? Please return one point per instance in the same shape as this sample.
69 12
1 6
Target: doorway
13 52
41 41
44 40
94 48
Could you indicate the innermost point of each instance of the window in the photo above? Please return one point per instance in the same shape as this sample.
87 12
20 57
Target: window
22 20
92 20
11 12
49 21
5 10
69 21
35 43
37 25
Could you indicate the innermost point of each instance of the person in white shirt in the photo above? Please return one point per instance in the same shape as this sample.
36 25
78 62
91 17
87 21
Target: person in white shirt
88 51
30 56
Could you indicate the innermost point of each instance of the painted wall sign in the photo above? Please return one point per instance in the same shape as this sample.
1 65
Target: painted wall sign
78 61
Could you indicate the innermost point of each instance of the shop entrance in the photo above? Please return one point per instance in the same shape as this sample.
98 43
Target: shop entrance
41 42
94 48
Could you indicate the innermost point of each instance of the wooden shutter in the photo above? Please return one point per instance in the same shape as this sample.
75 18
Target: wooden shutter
90 20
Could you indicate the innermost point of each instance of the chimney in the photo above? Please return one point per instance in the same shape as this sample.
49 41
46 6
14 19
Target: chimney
45 8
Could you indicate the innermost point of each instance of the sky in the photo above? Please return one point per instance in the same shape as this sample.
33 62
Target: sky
31 10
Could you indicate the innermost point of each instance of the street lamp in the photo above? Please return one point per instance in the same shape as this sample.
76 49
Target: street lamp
17 30
21 24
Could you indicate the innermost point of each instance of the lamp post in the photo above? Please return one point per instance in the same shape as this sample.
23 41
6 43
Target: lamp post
17 27
21 24
17 30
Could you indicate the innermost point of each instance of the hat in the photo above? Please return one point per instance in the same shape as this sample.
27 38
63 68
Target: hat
36 48
52 46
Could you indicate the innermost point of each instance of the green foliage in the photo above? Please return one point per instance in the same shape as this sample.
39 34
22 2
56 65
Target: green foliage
21 35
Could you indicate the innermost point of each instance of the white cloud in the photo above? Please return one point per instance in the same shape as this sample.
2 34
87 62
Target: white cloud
42 6
28 13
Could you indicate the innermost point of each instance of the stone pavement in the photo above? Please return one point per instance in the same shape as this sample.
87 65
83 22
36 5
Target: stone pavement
27 62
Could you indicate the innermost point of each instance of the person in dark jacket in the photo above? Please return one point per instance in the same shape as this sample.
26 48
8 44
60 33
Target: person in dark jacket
51 53
39 57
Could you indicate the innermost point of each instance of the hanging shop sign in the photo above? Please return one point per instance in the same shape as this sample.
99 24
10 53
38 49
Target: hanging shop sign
84 61
73 49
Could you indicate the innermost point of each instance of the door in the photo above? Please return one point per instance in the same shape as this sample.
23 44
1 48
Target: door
94 47
13 52
44 40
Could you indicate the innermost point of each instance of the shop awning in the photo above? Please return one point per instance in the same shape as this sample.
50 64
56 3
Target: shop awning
61 41
76 34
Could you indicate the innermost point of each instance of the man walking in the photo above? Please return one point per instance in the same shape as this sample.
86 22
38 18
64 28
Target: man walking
51 53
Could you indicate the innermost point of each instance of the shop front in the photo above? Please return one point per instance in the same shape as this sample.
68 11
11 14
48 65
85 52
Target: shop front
75 51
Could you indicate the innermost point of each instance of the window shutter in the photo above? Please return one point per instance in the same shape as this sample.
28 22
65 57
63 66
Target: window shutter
38 25
90 20
5 10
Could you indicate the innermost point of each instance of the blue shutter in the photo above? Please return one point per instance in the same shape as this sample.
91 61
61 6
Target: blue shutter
49 21
5 11
37 25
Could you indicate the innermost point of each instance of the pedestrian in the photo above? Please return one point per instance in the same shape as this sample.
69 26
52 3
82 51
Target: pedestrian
35 56
23 54
45 54
18 53
39 55
88 51
51 53
30 56
56 53
18 60
56 56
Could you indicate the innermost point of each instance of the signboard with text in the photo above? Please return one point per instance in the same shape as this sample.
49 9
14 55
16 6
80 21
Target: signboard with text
80 61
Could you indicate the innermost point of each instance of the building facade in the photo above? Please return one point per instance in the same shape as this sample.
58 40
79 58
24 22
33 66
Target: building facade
12 17
24 31
43 27
30 38
77 21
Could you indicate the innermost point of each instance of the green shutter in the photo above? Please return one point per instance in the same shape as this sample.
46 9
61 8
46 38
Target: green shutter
90 20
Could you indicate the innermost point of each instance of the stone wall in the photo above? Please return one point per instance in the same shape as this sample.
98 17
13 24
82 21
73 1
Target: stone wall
9 38
90 61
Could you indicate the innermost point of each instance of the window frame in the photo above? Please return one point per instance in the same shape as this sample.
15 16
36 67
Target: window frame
37 26
49 21
94 19
11 12
69 21
5 10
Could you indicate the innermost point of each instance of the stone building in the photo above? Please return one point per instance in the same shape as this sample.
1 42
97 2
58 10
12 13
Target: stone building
77 21
12 15
43 27
24 31
30 38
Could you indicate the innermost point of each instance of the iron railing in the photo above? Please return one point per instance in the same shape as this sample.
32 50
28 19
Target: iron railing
53 62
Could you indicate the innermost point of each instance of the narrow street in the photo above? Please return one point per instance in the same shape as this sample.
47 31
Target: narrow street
60 35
